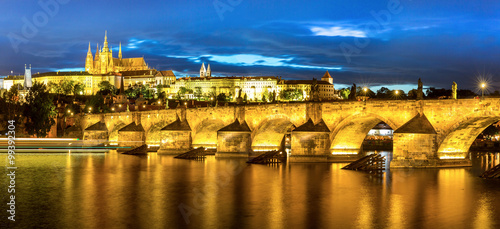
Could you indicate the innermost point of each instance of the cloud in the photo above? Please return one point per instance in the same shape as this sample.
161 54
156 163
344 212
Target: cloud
337 31
254 60
67 69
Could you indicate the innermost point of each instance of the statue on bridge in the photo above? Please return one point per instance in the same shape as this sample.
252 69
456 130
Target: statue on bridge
239 100
454 90
420 92
352 94
314 90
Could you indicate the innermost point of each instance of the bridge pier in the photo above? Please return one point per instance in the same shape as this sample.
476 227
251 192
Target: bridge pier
132 135
234 140
175 137
95 134
416 146
310 142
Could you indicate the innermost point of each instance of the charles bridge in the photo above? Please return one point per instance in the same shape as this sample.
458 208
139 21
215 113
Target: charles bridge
428 133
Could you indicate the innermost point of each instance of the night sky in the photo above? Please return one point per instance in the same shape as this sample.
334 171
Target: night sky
367 42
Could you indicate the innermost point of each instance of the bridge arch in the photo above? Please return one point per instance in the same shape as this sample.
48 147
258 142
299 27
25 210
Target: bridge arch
350 133
270 132
458 138
113 134
205 133
153 134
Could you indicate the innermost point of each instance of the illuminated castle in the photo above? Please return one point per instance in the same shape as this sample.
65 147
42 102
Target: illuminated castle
105 63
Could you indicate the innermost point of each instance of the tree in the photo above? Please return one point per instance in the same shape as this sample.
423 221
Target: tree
67 86
39 110
245 98
159 89
383 93
465 93
222 97
10 105
55 88
438 93
344 93
265 95
95 104
198 93
412 94
106 88
78 89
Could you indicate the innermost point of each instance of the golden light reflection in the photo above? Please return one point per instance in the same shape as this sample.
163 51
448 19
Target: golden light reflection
365 217
483 218
396 214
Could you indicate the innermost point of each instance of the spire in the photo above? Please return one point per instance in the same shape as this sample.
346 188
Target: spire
105 48
203 71
120 52
209 72
89 62
97 52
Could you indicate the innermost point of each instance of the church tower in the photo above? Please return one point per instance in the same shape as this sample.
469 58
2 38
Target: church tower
203 71
327 77
209 72
89 63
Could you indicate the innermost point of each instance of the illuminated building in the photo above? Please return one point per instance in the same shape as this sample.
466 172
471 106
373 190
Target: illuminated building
104 61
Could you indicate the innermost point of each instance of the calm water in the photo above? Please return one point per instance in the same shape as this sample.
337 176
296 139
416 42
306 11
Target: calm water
124 191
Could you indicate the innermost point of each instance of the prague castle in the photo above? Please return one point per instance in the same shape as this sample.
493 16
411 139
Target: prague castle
105 63
102 66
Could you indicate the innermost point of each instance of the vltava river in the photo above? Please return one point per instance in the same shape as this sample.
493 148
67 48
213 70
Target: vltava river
110 190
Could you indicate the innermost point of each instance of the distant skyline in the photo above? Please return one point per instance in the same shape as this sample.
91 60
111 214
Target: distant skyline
370 43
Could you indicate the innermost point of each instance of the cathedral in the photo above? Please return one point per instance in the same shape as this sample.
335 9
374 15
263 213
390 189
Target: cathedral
104 63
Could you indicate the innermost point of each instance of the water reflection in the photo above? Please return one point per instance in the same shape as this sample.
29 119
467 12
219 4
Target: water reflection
124 191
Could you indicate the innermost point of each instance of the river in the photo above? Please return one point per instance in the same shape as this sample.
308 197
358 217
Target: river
110 190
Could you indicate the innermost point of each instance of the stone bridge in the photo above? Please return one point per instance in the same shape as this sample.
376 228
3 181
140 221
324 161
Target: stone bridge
427 132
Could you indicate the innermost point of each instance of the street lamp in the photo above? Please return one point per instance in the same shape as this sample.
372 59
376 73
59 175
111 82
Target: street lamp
365 90
483 85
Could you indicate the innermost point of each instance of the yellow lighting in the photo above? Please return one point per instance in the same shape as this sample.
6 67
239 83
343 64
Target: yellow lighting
483 85
365 89
90 108
120 105
81 93
344 153
43 139
113 109
143 106
69 111
397 92
452 157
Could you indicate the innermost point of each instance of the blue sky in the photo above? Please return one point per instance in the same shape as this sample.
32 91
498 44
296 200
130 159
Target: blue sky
370 43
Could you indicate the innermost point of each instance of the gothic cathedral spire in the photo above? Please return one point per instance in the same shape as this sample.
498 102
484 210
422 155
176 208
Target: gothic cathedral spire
209 72
105 46
120 52
89 63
